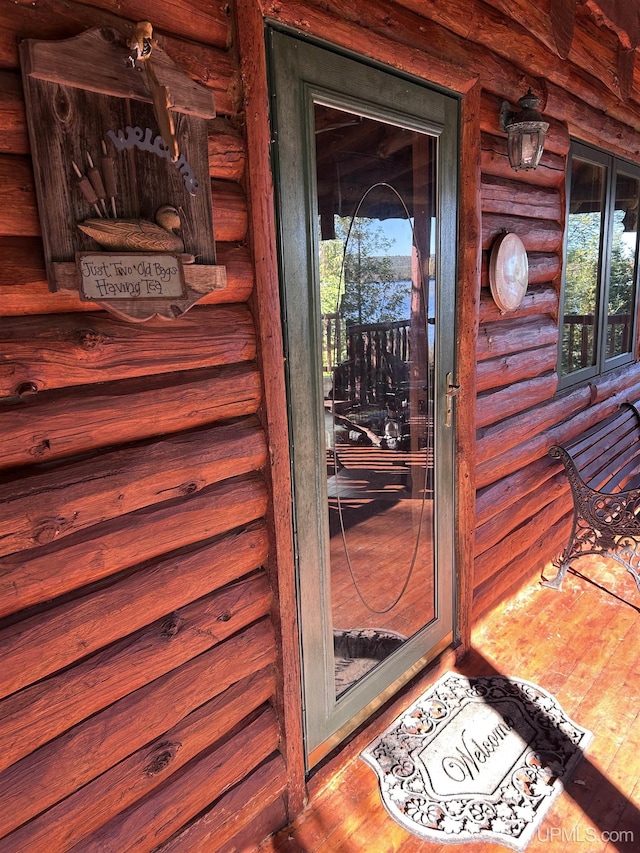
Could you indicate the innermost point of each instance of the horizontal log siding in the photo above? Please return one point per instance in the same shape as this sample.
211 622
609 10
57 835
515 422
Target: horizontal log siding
148 767
523 503
133 532
259 800
516 359
83 350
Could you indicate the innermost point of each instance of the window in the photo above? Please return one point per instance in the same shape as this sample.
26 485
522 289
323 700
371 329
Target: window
599 296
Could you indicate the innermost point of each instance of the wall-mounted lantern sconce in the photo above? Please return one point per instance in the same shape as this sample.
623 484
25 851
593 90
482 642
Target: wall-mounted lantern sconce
526 131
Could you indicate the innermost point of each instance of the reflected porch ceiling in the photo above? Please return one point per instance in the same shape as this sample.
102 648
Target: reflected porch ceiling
354 153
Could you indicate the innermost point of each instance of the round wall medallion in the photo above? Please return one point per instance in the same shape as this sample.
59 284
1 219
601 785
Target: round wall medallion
508 272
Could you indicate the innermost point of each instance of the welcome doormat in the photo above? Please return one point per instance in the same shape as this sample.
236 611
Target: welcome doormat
476 759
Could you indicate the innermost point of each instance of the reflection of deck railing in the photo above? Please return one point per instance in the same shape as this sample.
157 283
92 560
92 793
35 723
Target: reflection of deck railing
578 346
377 355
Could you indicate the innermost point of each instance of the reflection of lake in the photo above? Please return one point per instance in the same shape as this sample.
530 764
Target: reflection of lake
402 289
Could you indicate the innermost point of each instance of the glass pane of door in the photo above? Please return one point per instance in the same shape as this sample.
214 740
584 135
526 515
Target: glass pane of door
376 251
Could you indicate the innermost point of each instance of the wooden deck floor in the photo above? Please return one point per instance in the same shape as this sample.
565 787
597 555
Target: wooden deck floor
583 645
385 515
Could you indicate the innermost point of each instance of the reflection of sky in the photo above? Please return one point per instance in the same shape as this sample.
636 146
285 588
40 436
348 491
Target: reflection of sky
401 232
398 230
629 241
627 238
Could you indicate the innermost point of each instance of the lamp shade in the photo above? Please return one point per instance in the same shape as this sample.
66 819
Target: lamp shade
526 132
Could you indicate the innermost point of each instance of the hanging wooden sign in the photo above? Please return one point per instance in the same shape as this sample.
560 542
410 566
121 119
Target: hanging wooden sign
130 276
120 155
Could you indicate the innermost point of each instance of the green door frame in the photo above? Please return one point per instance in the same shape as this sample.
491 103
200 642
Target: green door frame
302 73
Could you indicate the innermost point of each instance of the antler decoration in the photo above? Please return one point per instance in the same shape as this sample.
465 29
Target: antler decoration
142 44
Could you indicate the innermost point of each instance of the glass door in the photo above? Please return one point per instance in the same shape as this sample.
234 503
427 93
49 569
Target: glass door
366 168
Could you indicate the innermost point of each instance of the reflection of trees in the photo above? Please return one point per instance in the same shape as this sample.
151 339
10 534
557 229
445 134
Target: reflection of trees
581 287
621 288
622 268
365 292
583 253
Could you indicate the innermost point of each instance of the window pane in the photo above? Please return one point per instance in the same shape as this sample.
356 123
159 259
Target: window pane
584 243
623 266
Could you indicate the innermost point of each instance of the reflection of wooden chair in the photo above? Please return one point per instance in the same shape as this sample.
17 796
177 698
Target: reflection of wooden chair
395 371
348 431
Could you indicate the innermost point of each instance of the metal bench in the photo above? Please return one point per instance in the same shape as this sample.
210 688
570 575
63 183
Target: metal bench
603 467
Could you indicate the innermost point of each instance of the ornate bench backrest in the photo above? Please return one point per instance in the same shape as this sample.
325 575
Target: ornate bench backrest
607 456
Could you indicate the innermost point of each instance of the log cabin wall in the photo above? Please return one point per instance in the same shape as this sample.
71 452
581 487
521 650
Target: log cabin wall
139 647
148 617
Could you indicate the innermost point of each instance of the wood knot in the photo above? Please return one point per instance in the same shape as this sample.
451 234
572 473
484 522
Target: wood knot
61 105
90 339
109 35
25 389
171 626
225 616
188 488
166 752
40 449
50 530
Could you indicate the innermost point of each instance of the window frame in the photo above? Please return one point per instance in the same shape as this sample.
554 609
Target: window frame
613 166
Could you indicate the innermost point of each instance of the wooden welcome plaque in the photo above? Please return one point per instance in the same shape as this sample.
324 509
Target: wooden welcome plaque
92 122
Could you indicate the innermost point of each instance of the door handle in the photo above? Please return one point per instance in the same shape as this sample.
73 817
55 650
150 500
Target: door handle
451 392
